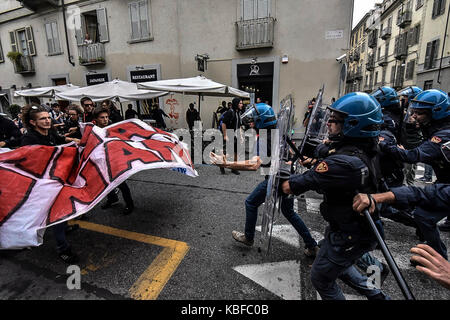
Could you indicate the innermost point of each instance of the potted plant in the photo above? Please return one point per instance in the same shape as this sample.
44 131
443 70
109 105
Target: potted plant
15 57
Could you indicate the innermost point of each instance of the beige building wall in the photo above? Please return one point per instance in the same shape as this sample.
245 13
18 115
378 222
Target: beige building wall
311 33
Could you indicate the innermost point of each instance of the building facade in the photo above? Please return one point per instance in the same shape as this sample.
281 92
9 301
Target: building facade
270 47
406 45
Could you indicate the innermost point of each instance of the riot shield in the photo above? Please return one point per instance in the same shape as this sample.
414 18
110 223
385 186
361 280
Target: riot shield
280 154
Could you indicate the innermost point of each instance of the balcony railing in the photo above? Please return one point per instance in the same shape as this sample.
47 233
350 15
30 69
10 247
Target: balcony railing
36 5
382 61
255 33
401 47
404 19
90 54
24 65
386 33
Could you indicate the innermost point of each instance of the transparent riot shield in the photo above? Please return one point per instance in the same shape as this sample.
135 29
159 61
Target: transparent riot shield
280 154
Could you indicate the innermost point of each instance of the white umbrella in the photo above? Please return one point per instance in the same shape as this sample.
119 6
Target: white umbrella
114 90
196 85
46 92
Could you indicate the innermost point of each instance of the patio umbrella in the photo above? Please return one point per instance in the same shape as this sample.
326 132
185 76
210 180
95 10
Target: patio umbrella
45 92
199 85
114 90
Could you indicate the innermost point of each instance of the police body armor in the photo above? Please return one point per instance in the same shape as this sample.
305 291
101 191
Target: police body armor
441 166
337 209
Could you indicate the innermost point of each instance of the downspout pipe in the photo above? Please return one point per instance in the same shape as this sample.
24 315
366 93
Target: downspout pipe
443 46
65 31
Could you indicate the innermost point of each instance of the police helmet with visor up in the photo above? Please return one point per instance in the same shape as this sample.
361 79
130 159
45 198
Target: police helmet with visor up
261 114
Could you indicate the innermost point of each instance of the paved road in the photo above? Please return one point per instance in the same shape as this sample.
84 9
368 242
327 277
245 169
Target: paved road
177 245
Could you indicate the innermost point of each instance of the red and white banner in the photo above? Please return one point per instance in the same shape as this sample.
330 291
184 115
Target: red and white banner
41 185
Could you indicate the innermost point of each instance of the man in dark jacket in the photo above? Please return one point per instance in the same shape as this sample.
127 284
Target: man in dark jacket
191 116
9 133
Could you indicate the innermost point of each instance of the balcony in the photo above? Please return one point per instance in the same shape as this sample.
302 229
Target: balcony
372 41
404 19
255 33
24 65
358 74
356 56
401 47
35 5
383 61
386 33
91 54
370 65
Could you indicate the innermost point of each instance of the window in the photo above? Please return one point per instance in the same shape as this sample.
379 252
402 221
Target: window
419 4
2 58
438 8
140 26
376 77
413 35
392 75
51 31
91 27
431 54
255 9
22 41
410 69
427 85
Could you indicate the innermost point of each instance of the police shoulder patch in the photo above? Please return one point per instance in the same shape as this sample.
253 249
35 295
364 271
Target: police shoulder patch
322 167
436 139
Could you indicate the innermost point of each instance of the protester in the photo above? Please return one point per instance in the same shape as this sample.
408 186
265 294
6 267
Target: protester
130 113
57 117
232 120
191 116
10 134
101 119
88 107
72 123
38 123
260 117
114 113
157 115
431 109
308 112
351 164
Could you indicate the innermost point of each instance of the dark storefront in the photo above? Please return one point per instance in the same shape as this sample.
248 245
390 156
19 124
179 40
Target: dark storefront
257 78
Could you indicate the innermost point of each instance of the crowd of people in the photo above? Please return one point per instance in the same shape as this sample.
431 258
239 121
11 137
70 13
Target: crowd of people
367 162
361 165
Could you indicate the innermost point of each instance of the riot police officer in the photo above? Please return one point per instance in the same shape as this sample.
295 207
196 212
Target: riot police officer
262 116
431 109
351 166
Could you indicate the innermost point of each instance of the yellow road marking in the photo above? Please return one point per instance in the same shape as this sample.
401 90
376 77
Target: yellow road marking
152 281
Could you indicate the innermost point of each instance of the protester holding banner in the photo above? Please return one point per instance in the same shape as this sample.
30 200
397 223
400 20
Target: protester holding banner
88 106
101 119
38 122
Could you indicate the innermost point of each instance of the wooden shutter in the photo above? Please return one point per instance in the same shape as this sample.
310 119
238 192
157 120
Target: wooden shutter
134 20
30 40
442 7
435 8
102 21
79 29
56 37
12 36
392 75
428 55
49 34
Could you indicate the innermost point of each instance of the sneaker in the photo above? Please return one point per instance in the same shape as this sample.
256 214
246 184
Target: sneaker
108 204
240 237
235 172
311 252
68 256
128 210
444 226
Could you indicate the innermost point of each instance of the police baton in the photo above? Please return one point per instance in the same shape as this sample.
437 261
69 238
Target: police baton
390 260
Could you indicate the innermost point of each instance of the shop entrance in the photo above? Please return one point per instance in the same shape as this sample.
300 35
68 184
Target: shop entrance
257 78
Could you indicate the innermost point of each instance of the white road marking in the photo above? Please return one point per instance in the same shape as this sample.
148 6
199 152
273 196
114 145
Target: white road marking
280 278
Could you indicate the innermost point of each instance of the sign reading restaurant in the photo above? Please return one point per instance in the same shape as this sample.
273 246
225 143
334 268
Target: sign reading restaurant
144 75
96 78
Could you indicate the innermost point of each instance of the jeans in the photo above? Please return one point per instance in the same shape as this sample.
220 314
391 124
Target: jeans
427 223
428 174
59 232
368 260
324 274
257 197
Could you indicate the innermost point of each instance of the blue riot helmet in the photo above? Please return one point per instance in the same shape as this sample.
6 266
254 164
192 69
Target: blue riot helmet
261 114
362 115
437 101
410 92
386 96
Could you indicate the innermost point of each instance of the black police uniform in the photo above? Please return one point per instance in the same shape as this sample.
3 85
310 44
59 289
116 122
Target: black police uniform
345 171
429 152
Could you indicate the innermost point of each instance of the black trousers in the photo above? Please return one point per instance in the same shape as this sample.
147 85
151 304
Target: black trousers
126 193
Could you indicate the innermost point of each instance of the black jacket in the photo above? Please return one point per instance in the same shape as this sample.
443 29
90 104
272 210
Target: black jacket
9 133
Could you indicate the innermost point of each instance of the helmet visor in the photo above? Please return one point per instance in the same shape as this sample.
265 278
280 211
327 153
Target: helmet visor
250 115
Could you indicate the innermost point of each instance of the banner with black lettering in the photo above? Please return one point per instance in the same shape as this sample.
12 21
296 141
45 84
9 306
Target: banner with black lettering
41 185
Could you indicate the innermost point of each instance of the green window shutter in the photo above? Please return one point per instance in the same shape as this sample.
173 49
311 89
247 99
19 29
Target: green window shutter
30 40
